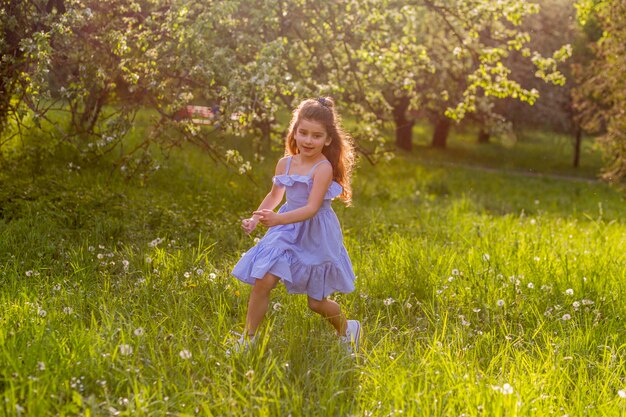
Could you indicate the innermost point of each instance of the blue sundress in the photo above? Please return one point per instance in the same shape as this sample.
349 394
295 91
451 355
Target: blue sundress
309 256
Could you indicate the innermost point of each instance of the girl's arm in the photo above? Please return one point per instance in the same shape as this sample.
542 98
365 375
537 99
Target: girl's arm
322 178
271 200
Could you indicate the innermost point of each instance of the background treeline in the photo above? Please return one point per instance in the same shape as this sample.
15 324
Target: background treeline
390 64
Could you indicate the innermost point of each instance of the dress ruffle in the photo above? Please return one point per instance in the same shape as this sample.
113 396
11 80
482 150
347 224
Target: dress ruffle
320 280
287 180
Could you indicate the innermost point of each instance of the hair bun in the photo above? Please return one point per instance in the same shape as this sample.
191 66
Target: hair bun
326 102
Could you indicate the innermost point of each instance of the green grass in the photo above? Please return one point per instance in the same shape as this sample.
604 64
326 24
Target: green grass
481 293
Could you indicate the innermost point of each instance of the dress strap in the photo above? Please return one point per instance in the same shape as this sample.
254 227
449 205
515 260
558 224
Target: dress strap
288 164
315 166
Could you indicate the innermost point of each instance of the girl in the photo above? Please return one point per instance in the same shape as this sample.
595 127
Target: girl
303 247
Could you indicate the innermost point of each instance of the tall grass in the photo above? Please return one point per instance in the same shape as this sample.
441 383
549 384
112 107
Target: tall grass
480 293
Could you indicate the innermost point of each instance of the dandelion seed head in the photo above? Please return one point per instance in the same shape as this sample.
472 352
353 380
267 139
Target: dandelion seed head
199 271
184 354
138 331
566 317
500 303
212 275
41 366
42 312
126 350
569 291
277 306
388 301
531 285
486 257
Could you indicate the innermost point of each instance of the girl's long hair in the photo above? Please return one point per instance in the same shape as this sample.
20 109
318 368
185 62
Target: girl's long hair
340 152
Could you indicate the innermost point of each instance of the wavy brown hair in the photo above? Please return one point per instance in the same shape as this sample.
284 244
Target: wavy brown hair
340 152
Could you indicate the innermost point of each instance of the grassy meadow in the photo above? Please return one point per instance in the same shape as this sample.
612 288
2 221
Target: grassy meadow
481 292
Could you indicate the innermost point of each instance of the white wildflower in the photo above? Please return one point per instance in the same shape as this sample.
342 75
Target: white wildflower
125 263
569 291
455 272
587 302
212 276
156 242
29 273
500 303
277 306
566 317
486 257
622 393
138 332
126 350
41 366
199 271
186 274
388 301
507 389
184 354
531 285
68 310
42 312
576 305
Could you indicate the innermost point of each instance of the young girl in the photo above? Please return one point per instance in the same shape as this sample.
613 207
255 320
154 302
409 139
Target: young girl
303 247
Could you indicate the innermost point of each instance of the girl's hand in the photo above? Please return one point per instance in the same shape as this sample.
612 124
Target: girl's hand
249 224
268 218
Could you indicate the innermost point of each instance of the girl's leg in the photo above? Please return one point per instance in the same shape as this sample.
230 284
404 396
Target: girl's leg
331 311
258 302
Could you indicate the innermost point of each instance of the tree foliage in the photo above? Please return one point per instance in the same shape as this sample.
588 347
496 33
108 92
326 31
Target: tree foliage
387 61
601 97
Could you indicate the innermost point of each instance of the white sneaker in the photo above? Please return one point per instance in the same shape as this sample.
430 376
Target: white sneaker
353 334
241 345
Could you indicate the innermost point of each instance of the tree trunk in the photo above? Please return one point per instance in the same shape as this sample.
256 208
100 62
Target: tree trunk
404 126
483 136
440 135
579 134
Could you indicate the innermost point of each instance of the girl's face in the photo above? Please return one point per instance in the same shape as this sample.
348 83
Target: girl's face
311 137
